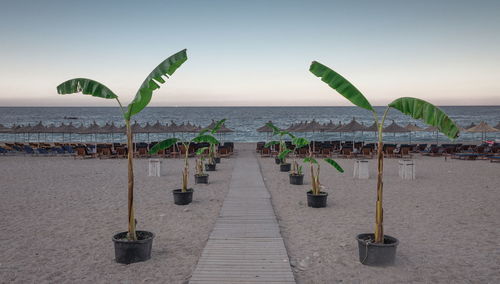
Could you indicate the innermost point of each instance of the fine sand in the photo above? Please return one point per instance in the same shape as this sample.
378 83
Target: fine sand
447 222
58 216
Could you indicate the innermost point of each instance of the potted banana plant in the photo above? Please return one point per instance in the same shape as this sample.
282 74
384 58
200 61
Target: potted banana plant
200 176
132 245
315 197
280 158
184 195
296 174
212 148
377 248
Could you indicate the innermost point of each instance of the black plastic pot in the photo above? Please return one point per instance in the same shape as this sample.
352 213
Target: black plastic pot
277 160
201 178
316 201
133 251
183 198
296 179
217 160
285 167
210 167
377 254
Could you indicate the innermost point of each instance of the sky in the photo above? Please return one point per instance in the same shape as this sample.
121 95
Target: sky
252 53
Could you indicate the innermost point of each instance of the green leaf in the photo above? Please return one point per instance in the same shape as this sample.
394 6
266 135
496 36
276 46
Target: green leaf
201 151
275 129
218 125
205 138
300 142
430 114
86 87
163 145
334 164
310 160
283 154
340 84
151 83
271 143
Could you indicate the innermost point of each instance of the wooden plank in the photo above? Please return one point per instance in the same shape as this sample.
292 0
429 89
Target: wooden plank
245 245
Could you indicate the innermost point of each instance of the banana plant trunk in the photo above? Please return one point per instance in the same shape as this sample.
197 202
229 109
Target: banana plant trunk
131 218
379 211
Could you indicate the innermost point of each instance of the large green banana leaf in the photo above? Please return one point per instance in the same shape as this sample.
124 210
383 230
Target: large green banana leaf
283 154
300 142
430 114
334 164
167 143
218 125
151 83
86 87
205 138
340 84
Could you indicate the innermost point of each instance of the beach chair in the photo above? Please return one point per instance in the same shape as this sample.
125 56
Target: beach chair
404 152
389 152
494 159
266 152
28 150
346 153
83 153
367 153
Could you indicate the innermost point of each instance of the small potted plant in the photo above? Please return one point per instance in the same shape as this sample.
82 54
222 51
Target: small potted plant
280 158
200 176
378 248
131 246
212 148
315 197
296 174
183 195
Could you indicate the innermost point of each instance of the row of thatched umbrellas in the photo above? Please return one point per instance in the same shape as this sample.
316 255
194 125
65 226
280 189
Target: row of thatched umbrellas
354 126
108 128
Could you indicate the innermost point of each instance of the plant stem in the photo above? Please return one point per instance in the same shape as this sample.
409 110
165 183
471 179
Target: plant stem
131 219
379 210
186 168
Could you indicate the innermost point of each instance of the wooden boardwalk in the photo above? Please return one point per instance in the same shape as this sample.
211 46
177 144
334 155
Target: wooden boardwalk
245 245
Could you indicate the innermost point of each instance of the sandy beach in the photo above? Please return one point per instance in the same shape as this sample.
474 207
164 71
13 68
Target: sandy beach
59 215
447 222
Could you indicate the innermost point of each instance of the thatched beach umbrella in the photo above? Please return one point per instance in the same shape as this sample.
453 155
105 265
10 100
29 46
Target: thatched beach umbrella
395 128
482 128
38 128
413 128
353 126
266 128
433 129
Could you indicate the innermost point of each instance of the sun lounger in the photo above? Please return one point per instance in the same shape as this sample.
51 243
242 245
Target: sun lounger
494 159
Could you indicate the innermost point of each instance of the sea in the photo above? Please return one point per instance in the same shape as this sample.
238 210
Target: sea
243 120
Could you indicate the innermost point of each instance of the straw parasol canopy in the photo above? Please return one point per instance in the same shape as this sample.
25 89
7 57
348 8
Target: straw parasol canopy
296 127
395 128
330 127
497 126
224 129
482 128
352 126
372 128
265 128
413 127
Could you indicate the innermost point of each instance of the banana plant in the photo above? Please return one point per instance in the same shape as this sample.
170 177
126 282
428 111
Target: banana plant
167 143
298 142
212 150
315 184
416 108
142 98
200 153
281 142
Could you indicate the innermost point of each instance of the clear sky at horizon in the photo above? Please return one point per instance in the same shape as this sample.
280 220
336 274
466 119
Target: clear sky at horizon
254 53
